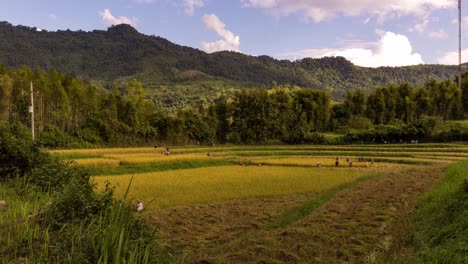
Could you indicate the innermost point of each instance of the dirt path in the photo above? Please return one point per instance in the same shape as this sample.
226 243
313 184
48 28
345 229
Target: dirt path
371 217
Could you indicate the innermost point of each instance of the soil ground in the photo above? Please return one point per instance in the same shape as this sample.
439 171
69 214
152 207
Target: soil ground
367 222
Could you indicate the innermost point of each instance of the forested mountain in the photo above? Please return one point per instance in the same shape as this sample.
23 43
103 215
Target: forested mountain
121 53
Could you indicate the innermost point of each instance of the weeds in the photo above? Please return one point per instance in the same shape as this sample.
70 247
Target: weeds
441 234
53 215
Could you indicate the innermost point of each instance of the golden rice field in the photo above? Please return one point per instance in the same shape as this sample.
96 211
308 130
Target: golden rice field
272 204
137 160
310 162
98 162
204 185
247 171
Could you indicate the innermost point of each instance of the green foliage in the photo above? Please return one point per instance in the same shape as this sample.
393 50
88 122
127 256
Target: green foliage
465 91
6 87
121 53
387 134
359 123
405 103
17 156
72 112
120 237
441 234
55 215
54 137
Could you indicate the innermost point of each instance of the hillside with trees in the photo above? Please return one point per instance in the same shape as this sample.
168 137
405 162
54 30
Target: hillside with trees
175 75
72 112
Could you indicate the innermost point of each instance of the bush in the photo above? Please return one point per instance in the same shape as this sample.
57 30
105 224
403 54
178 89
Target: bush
90 136
18 154
359 123
386 134
77 224
315 138
234 138
53 137
76 201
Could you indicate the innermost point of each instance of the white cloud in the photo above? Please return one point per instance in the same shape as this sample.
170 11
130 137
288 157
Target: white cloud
391 50
190 6
441 34
110 20
451 58
52 16
421 27
229 40
318 10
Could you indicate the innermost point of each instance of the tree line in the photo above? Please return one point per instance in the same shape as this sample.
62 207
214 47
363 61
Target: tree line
73 112
408 104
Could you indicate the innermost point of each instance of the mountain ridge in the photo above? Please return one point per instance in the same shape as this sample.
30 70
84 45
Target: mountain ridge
121 53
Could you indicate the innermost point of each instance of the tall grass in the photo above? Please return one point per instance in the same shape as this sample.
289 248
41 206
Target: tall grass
113 240
113 236
441 234
20 232
52 214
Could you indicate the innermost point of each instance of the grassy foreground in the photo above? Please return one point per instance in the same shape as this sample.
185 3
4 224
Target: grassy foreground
441 219
49 212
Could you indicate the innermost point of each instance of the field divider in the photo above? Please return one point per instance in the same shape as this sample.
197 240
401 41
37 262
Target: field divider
157 167
405 161
299 212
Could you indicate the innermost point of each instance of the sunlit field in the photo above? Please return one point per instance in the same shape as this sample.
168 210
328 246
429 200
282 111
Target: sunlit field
236 198
313 162
203 185
200 175
97 162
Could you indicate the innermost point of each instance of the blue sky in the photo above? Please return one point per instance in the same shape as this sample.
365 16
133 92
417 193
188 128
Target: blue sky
367 32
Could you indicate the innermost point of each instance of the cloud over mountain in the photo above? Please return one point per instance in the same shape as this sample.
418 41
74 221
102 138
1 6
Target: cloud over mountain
390 50
110 20
228 41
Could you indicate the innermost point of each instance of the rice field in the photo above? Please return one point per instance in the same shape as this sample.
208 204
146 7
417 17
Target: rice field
238 204
199 175
205 185
311 162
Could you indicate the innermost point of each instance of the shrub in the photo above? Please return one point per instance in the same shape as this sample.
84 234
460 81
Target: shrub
89 135
359 123
53 137
315 138
77 224
18 154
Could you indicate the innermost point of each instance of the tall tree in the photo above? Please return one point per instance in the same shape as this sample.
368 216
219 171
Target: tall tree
6 86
